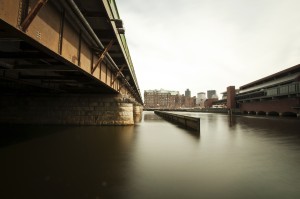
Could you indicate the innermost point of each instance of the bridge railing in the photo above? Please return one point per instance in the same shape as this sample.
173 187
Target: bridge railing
115 14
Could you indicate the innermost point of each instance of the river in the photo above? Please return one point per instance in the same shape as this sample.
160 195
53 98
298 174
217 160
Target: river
243 157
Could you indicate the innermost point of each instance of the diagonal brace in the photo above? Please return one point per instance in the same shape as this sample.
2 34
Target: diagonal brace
122 85
118 74
102 55
32 14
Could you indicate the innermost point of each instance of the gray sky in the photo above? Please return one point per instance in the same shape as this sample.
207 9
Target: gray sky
209 44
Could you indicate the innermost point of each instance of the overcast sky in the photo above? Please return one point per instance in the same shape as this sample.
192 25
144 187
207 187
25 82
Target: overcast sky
209 44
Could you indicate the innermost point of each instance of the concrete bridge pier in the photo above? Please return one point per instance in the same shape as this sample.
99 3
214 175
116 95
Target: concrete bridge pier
72 109
137 112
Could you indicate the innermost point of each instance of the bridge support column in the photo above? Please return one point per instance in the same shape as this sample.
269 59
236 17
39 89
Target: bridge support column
137 112
85 109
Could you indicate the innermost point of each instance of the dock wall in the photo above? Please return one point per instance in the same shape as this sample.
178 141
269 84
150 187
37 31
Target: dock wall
185 121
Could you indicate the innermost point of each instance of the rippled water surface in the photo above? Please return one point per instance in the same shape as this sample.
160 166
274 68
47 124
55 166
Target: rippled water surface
240 157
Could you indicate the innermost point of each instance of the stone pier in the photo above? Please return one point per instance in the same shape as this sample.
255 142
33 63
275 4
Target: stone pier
137 112
85 109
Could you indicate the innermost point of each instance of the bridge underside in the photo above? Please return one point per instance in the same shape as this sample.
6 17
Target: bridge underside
65 62
64 46
27 67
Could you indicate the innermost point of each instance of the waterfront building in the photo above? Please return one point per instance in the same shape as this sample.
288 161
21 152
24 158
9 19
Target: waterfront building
165 99
276 94
160 98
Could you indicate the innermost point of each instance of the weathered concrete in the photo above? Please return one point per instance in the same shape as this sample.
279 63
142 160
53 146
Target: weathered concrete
67 109
137 112
185 121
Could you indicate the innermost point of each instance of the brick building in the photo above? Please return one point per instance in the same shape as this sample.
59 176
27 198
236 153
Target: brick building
167 99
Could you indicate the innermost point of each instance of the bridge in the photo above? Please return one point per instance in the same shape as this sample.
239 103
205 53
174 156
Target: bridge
65 62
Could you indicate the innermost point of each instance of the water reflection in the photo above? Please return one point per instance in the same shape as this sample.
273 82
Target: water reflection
150 116
284 130
74 162
231 120
238 157
13 134
137 118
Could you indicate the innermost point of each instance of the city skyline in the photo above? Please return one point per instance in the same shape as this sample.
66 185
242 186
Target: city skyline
204 45
177 91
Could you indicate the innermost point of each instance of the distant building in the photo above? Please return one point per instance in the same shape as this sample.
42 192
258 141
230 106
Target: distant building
210 94
188 102
211 98
201 97
187 93
209 102
214 96
165 99
160 98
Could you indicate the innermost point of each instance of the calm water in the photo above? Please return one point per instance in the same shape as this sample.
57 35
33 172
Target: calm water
242 157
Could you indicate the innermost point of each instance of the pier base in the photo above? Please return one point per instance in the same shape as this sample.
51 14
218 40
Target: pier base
109 109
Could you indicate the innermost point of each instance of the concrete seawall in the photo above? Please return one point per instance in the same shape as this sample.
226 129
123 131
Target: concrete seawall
185 121
204 110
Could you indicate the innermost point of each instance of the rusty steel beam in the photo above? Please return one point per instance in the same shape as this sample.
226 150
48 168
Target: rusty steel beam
117 75
48 77
122 85
39 69
23 55
32 14
102 55
93 14
40 66
61 31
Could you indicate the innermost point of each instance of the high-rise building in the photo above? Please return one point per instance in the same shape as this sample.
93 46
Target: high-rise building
187 93
201 97
210 94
